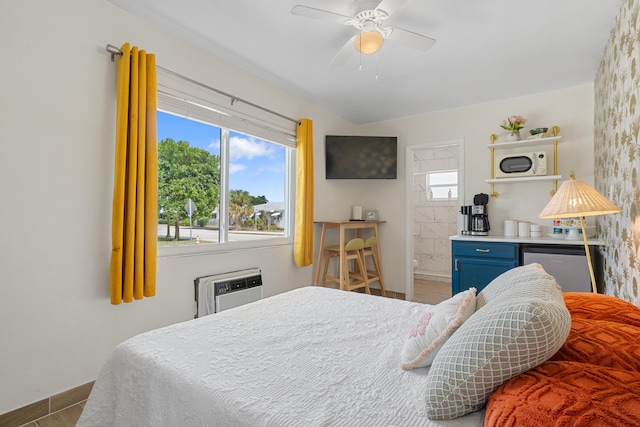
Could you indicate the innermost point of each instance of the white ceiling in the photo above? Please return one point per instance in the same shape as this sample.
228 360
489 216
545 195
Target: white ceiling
485 50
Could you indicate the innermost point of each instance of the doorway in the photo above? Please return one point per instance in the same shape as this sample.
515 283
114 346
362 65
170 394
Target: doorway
434 189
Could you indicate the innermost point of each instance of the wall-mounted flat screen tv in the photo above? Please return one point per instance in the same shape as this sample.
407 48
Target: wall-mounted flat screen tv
361 157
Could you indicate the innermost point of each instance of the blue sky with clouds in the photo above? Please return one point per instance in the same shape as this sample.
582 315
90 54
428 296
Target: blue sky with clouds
255 165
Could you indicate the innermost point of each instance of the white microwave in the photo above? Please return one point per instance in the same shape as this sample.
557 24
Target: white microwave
521 164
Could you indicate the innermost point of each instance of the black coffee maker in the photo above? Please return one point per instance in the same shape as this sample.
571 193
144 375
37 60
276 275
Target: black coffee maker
475 221
479 216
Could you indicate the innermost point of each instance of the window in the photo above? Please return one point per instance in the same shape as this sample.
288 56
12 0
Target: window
442 185
218 183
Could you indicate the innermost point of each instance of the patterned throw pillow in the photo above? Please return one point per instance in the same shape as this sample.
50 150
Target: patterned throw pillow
599 342
594 379
434 327
518 327
561 393
584 305
528 281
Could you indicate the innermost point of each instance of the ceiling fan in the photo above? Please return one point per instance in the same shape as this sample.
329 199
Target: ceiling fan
368 17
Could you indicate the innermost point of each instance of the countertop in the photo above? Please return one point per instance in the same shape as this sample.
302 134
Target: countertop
537 240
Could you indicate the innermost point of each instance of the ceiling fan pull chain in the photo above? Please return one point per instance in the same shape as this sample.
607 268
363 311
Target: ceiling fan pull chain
376 66
359 52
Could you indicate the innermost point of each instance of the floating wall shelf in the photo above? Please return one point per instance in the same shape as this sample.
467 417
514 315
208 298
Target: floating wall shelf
555 130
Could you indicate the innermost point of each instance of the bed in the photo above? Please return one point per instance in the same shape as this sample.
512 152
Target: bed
309 357
520 353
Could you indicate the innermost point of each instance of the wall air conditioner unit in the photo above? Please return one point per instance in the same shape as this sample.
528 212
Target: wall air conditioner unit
219 292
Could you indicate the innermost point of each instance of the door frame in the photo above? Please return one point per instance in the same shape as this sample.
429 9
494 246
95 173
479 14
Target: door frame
410 150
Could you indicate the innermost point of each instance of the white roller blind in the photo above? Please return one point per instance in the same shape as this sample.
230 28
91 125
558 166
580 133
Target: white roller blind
181 97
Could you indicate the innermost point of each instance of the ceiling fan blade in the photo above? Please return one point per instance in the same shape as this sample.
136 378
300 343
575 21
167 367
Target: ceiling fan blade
343 53
323 15
390 6
411 39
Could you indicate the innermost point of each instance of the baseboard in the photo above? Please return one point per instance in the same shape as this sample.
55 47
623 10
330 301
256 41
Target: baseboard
45 407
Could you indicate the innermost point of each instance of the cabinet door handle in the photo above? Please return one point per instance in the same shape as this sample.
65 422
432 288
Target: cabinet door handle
456 264
483 250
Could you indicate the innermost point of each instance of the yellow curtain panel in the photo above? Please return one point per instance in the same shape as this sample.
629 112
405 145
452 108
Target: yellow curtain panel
135 191
303 233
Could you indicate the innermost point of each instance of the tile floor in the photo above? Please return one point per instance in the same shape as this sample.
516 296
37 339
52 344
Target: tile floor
425 291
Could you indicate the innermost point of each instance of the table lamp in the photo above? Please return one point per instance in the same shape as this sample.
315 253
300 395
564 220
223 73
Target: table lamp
576 198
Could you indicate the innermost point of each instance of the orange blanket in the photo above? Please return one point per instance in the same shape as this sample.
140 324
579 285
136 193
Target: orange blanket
593 380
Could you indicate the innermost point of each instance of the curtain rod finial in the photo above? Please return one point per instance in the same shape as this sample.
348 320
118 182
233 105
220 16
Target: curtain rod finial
113 50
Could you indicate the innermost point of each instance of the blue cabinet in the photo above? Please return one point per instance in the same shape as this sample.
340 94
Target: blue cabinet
475 264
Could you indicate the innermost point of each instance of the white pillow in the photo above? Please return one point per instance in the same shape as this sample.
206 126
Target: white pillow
523 322
524 281
434 327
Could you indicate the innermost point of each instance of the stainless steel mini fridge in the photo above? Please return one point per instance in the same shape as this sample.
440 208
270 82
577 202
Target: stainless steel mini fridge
568 264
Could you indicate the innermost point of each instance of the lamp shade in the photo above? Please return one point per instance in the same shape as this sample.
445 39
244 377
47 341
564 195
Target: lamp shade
576 198
369 42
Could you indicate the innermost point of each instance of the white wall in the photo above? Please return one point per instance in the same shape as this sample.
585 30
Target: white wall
571 110
57 118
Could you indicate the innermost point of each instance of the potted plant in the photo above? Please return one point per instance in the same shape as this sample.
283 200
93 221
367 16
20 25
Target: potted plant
513 124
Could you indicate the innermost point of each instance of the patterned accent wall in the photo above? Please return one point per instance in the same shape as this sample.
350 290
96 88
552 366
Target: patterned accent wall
617 152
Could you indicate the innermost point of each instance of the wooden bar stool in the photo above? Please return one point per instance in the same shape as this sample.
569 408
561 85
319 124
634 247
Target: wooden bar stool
371 249
352 279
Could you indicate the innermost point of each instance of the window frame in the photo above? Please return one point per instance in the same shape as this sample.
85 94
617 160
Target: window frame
446 185
207 111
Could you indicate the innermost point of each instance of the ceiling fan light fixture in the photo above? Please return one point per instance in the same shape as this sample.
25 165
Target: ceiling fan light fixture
369 42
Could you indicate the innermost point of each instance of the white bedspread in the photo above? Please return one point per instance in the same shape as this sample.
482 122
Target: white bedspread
309 357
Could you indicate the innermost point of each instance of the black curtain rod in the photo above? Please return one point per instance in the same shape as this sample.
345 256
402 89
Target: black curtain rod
114 50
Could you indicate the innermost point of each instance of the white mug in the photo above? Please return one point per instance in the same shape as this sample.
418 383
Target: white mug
356 212
510 228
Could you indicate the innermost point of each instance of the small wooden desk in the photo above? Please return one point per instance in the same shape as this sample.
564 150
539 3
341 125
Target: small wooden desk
341 226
